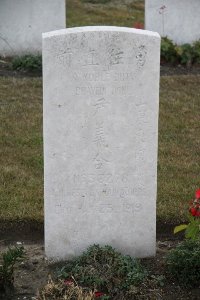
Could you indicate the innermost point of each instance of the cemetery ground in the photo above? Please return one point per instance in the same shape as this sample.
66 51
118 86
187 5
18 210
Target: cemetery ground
21 163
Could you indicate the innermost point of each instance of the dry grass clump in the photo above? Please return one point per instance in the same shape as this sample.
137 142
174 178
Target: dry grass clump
103 273
59 290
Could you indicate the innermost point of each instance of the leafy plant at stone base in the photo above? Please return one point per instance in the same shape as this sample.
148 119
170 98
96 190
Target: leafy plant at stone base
27 63
196 52
8 261
185 54
168 51
192 230
105 270
183 263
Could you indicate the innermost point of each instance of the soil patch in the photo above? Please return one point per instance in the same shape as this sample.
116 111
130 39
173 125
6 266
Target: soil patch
170 70
32 231
29 231
33 272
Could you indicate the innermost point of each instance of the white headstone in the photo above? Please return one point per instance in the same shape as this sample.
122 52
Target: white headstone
101 95
22 23
179 20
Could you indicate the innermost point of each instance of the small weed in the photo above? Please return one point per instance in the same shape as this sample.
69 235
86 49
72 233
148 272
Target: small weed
27 63
183 263
158 280
9 259
185 54
168 51
196 52
105 269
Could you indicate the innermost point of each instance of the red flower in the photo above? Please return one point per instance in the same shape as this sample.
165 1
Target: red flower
197 194
193 211
98 294
138 25
198 213
68 282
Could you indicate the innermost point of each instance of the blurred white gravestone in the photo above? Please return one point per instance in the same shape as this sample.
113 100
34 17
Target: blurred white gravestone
179 20
101 96
22 23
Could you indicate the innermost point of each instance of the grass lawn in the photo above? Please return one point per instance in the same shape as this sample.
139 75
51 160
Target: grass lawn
21 162
86 12
179 144
21 159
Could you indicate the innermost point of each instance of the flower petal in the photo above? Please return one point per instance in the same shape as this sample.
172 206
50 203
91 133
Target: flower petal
197 193
197 213
193 211
98 294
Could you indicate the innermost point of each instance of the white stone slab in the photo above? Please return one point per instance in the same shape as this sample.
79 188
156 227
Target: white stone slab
22 23
101 94
177 19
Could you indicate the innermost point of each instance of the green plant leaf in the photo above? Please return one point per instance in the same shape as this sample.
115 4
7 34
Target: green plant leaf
192 231
180 228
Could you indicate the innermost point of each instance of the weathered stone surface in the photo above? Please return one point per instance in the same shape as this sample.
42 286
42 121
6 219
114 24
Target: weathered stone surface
177 19
22 23
101 94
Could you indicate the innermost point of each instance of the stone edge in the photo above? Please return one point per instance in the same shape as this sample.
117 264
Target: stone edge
98 29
